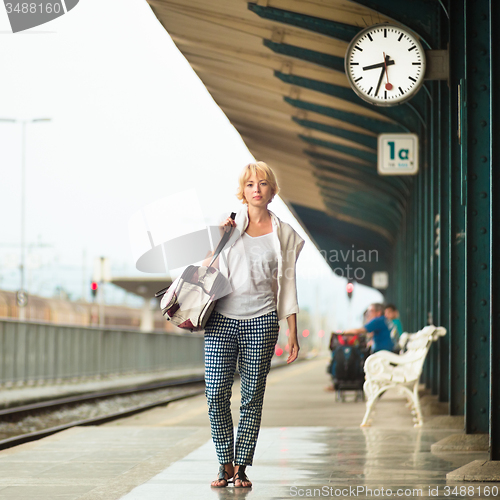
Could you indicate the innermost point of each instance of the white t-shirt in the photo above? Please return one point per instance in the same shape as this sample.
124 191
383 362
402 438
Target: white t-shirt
253 265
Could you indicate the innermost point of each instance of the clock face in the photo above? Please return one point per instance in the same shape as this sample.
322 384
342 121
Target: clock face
385 65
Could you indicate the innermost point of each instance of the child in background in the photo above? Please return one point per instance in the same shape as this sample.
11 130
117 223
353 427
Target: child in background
392 315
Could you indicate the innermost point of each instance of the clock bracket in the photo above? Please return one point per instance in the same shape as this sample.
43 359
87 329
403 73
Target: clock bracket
437 65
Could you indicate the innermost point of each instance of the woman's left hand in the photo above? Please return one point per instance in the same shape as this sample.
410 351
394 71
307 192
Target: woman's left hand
293 342
294 350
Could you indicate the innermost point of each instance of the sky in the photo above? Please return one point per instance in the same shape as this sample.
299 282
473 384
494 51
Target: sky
131 125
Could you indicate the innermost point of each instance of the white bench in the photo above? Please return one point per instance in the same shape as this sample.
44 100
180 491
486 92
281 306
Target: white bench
385 370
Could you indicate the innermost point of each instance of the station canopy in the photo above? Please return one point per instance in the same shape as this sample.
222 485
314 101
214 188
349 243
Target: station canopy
276 69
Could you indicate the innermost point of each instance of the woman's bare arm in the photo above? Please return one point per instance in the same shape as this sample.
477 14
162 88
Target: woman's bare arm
293 341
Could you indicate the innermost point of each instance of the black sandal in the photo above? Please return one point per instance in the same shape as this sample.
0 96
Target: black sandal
242 477
222 477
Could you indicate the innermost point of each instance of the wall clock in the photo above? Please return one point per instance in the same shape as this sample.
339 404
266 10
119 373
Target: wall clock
385 64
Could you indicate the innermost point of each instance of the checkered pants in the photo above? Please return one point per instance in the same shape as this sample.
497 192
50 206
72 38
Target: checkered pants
251 342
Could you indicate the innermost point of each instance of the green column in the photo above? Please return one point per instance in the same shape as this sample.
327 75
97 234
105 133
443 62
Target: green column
456 215
494 227
443 246
477 215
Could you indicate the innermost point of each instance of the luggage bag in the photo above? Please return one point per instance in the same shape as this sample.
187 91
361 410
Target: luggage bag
346 368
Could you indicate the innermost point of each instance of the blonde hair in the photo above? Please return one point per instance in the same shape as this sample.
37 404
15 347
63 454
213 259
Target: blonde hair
262 170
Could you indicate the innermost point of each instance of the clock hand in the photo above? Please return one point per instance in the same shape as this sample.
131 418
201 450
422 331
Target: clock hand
380 80
380 65
388 85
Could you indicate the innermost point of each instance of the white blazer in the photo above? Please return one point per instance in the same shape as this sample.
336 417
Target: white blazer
288 247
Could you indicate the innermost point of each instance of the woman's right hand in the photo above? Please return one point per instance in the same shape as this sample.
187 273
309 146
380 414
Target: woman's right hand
227 225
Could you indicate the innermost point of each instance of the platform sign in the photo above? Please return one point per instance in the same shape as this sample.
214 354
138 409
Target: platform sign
397 154
380 280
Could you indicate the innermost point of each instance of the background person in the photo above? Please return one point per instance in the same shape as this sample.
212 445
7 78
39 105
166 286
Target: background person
376 329
260 266
396 328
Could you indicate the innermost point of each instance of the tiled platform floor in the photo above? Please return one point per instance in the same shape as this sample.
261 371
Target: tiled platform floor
308 444
292 460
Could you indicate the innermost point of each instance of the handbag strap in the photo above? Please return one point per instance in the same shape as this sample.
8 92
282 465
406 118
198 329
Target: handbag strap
218 250
222 242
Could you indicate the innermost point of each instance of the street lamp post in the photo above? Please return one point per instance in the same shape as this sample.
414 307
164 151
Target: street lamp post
21 296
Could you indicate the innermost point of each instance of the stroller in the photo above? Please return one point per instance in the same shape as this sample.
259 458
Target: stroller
346 366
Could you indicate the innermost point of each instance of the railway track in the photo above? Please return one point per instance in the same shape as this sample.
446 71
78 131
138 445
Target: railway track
181 389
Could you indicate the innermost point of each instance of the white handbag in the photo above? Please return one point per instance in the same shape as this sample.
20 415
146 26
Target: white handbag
191 298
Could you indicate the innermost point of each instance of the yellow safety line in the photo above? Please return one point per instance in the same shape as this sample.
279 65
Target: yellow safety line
182 418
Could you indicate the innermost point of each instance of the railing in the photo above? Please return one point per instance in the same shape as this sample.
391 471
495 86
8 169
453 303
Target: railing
36 352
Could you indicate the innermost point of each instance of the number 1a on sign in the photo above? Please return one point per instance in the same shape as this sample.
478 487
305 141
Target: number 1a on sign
397 154
403 154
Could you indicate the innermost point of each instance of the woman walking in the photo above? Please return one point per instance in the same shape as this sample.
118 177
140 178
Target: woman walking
260 266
